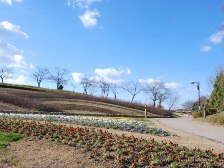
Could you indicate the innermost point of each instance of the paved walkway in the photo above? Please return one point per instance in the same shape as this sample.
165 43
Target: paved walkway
187 124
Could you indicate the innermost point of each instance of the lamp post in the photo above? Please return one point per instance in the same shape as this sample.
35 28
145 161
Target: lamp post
199 97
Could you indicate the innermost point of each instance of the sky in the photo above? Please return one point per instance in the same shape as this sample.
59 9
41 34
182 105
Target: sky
175 42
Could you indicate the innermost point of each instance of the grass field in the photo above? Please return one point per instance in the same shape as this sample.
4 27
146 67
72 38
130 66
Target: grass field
7 138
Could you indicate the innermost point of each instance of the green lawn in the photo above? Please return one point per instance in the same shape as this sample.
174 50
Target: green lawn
7 138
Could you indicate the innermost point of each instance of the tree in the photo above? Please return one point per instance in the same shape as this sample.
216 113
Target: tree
114 88
59 76
211 80
173 100
163 94
87 84
152 90
132 88
105 87
217 96
5 73
188 105
40 75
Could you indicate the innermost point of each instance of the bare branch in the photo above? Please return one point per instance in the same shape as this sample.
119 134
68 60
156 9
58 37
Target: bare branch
114 89
133 88
173 100
152 90
40 75
59 76
5 73
105 88
87 84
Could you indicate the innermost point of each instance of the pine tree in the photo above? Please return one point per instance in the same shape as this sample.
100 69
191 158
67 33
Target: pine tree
217 96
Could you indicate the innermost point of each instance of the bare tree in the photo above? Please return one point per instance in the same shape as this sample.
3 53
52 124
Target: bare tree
152 90
173 100
5 73
105 87
40 75
59 76
114 89
163 94
133 88
87 84
188 105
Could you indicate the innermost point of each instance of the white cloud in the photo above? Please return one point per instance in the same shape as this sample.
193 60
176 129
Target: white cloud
83 4
21 79
9 2
113 75
169 85
110 75
12 56
217 37
205 48
77 77
173 85
8 29
148 81
89 18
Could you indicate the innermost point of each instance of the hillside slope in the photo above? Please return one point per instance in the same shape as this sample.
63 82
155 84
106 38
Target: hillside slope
28 98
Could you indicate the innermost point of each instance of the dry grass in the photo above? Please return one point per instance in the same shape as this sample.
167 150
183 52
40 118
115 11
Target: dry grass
37 153
45 95
216 119
24 102
34 100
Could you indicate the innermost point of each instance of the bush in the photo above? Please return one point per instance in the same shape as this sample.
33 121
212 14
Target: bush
197 114
211 111
60 87
216 118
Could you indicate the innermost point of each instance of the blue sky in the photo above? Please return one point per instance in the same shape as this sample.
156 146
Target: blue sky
176 42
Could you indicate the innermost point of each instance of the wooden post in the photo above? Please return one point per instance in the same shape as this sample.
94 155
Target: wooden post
145 111
203 109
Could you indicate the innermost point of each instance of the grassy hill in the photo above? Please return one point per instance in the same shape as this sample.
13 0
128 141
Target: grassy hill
28 98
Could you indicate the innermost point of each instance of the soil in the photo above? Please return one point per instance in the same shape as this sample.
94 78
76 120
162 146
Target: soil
31 153
6 107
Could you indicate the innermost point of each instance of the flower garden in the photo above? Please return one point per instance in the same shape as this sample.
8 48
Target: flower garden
127 151
124 124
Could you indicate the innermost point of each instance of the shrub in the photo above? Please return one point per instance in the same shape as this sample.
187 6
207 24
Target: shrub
197 114
211 111
216 118
60 87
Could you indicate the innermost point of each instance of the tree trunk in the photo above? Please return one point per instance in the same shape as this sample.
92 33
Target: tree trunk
38 84
132 98
154 103
160 103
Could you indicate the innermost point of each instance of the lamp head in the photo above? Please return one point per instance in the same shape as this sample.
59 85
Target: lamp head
192 82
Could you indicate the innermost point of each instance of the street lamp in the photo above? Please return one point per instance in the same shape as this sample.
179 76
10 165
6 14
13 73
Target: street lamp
199 97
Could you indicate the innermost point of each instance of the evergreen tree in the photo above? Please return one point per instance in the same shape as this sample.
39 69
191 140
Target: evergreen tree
217 96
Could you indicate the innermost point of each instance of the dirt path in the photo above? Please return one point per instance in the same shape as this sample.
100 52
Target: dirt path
44 154
188 125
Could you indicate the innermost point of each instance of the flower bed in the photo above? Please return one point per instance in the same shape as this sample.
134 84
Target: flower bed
127 151
109 123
